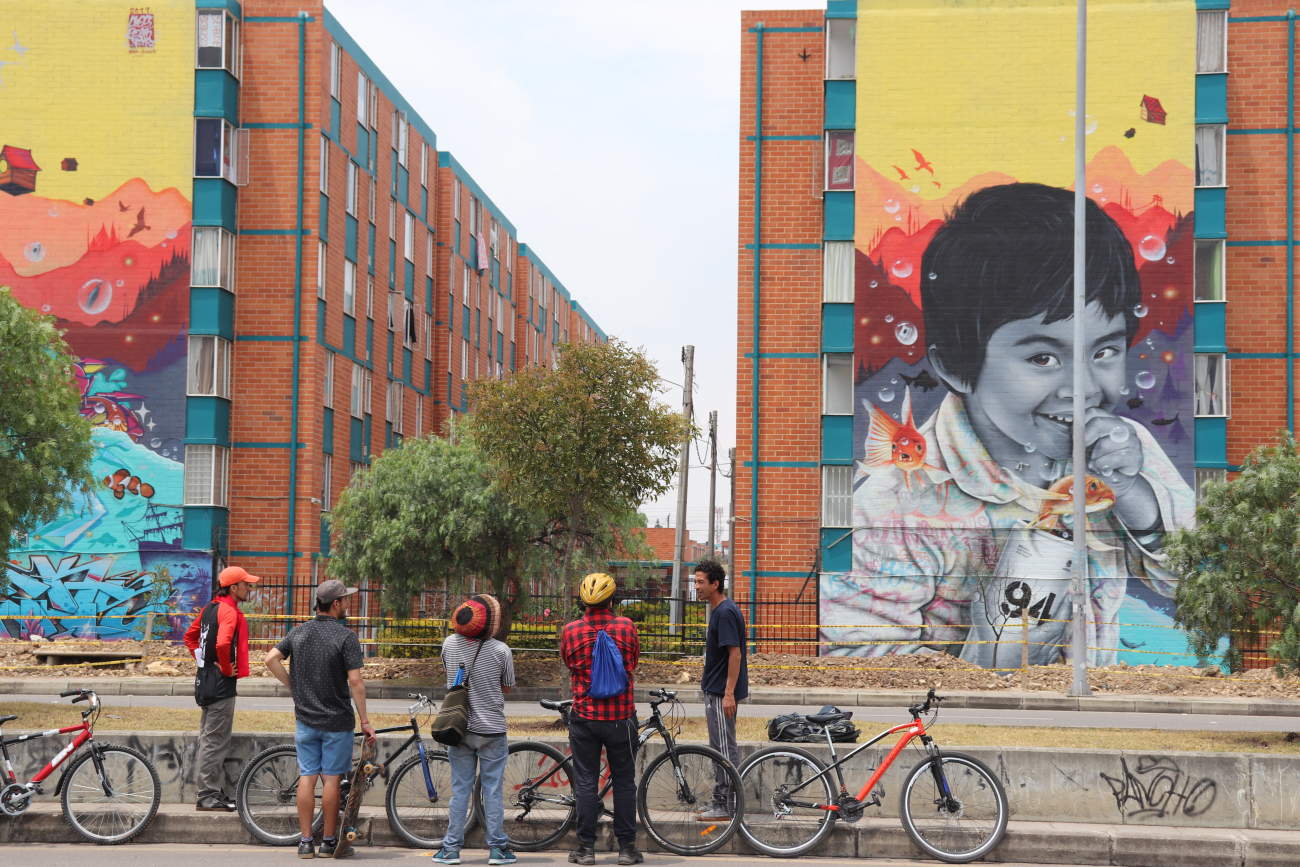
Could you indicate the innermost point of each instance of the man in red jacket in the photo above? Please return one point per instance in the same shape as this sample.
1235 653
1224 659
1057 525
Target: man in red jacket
218 640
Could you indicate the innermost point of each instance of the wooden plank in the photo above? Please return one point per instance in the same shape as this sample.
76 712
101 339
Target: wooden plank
89 654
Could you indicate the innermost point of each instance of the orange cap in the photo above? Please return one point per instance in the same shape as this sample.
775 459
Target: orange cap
234 574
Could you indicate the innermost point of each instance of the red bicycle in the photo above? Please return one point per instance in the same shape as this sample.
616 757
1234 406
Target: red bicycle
951 804
110 793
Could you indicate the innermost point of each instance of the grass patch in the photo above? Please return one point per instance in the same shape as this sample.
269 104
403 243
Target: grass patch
37 716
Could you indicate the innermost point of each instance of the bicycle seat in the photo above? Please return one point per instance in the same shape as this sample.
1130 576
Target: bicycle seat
555 705
6 718
822 719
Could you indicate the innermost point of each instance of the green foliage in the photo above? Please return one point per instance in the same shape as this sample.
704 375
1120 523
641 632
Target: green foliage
583 444
411 639
45 443
429 514
159 601
1239 567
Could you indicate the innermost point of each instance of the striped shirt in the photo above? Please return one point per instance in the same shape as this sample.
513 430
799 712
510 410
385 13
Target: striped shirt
495 668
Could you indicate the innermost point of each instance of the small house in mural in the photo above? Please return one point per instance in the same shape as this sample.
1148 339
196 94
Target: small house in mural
69 164
17 171
1152 111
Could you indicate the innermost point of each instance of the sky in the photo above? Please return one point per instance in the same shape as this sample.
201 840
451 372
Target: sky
608 133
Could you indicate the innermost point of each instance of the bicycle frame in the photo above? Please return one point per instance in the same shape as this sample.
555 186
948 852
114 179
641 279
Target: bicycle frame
77 743
911 730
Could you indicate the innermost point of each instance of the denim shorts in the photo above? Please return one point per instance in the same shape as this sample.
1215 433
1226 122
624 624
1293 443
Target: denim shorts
319 752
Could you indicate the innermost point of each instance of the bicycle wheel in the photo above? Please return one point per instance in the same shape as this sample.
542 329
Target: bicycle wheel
967 823
128 806
537 796
668 802
780 821
416 814
267 796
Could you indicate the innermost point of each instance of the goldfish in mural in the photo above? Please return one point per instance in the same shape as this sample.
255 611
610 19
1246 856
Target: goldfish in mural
898 444
1058 500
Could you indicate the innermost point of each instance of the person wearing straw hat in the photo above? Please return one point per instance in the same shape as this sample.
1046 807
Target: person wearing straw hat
473 656
218 641
325 679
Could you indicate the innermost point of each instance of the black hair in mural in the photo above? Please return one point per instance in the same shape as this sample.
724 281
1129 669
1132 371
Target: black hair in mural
1007 253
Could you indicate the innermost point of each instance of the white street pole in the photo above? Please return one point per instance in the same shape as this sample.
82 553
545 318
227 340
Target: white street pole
1082 604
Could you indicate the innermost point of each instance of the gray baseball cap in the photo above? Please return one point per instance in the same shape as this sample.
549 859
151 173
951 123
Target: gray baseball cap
332 589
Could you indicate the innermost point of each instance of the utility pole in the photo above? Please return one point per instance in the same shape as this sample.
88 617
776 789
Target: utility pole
731 526
713 477
679 586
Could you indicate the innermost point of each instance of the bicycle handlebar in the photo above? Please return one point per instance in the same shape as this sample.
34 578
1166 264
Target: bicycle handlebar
68 692
917 709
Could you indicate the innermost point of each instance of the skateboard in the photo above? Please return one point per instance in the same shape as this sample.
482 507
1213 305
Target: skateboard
362 772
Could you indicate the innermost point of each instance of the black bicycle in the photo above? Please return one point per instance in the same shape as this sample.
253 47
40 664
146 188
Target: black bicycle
416 800
540 806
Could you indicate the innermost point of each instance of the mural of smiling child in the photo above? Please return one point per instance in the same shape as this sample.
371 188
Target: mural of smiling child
998 311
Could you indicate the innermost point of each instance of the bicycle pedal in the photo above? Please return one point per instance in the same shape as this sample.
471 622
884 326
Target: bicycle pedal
874 802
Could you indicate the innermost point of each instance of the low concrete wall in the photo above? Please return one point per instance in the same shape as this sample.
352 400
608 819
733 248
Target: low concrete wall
1195 790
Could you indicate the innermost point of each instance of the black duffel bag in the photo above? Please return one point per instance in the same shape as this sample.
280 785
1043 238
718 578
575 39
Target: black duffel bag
795 728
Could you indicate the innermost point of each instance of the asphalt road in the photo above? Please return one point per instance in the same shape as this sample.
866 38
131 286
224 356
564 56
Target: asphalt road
1063 719
196 855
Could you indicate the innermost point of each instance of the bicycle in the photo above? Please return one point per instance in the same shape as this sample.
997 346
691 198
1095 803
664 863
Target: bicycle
110 793
416 799
951 804
541 807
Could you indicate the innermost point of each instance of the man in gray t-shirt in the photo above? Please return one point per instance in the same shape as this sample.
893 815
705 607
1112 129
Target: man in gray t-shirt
489 677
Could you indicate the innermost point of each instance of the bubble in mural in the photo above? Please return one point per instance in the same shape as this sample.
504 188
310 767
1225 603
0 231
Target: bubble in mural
1052 472
889 317
1145 380
1031 448
54 211
120 283
1152 248
1097 188
1123 389
34 252
1140 311
1090 125
155 442
1119 433
901 268
886 395
1170 260
891 206
94 295
906 333
874 284
170 233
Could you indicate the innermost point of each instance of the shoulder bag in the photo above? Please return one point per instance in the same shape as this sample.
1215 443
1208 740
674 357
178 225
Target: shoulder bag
449 725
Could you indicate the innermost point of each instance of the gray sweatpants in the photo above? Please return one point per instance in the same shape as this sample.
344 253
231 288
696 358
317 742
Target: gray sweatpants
722 737
214 743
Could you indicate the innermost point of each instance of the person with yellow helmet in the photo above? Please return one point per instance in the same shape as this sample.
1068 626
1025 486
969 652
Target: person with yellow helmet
607 721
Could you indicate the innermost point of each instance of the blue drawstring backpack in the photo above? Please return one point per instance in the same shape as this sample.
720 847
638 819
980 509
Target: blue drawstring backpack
608 676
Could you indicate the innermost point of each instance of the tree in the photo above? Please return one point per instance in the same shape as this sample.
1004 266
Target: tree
429 513
582 444
1238 569
45 442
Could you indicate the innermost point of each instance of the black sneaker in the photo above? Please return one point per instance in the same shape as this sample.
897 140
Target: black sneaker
214 804
629 854
336 848
306 849
584 855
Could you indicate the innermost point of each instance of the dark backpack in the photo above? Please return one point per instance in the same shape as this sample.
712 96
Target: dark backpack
794 728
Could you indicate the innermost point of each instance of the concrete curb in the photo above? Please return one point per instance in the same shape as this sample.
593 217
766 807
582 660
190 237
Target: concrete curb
786 698
1028 842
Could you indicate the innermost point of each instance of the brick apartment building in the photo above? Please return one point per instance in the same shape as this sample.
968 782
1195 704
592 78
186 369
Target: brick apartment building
864 126
270 272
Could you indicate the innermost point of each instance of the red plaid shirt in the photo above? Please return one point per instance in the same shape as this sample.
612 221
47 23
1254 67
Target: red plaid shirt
576 644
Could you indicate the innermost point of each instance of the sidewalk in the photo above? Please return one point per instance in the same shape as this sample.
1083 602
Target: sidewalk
689 694
1028 842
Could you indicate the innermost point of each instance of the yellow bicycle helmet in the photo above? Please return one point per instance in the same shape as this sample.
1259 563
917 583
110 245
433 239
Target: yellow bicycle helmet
596 588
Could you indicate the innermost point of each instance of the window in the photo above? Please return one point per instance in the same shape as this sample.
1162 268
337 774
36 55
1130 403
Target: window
373 114
324 165
424 164
214 149
841 48
352 188
839 160
428 255
326 478
329 379
428 336
392 219
464 359
455 188
1211 385
394 408
837 384
205 475
320 270
336 67
401 137
369 381
392 311
370 297
1209 270
837 271
354 467
1212 41
208 367
1210 164
410 337
372 198
837 496
465 286
408 240
473 216
213 262
349 287
363 98
1208 474
419 415
240 158
217 41
356 406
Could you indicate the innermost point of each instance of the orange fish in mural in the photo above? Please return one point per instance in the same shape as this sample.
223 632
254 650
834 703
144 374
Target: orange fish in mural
897 444
1058 500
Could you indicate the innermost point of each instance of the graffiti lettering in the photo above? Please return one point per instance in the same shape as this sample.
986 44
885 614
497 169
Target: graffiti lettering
76 597
1160 788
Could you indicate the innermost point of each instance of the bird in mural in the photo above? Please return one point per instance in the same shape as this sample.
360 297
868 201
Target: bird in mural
898 444
1161 422
922 162
902 175
1130 132
121 207
139 224
937 184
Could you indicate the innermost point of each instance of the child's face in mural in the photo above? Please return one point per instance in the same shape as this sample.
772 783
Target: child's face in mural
1026 387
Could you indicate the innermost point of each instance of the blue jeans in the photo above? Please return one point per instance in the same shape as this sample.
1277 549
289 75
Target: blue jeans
489 754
